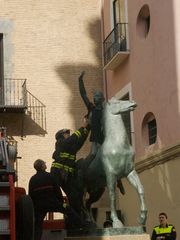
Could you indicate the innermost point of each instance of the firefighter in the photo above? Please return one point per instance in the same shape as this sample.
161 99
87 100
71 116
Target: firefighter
63 167
46 196
164 231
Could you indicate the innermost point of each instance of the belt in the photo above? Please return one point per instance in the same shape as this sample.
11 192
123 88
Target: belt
64 167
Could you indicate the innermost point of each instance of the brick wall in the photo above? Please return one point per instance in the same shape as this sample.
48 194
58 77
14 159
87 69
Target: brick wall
49 43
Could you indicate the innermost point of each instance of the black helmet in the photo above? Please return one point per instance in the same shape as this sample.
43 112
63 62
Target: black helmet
60 133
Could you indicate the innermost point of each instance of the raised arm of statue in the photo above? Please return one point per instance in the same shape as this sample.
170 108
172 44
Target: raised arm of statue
82 91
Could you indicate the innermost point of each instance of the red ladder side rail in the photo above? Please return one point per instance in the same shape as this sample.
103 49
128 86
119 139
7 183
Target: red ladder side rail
12 208
54 224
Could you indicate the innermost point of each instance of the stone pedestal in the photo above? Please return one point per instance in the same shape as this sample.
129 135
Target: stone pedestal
117 237
126 233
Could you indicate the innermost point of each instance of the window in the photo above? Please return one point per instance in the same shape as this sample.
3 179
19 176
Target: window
120 32
115 12
119 11
149 129
126 94
1 69
122 15
152 131
143 21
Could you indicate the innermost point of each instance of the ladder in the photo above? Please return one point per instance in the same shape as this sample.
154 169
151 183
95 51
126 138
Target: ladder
7 209
7 193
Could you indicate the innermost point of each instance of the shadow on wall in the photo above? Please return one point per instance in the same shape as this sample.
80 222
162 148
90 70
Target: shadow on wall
20 125
69 74
92 81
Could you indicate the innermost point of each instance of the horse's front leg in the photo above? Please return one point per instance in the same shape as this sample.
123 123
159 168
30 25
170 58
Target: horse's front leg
133 178
94 196
111 185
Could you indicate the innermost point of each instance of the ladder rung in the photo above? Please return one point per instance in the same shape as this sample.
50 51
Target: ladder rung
4 184
4 232
4 208
8 171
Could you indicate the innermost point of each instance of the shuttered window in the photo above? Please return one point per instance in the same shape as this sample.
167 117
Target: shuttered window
152 131
1 70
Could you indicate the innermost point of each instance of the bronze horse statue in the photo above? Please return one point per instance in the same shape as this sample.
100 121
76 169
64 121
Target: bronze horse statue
113 161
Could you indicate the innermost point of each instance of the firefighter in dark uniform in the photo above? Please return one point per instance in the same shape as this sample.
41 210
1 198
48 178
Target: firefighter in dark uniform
63 167
164 231
46 196
95 116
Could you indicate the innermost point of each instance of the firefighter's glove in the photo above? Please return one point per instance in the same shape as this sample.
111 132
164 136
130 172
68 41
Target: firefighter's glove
65 205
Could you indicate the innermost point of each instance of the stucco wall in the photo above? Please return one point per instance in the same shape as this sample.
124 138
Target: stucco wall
161 185
153 70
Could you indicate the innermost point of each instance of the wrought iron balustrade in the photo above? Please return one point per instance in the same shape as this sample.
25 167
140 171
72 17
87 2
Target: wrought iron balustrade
15 98
115 42
13 93
36 109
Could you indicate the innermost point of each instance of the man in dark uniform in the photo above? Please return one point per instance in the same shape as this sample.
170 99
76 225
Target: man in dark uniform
95 116
164 231
46 196
63 167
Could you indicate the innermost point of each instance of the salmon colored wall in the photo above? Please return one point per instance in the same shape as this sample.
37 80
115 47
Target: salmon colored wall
152 70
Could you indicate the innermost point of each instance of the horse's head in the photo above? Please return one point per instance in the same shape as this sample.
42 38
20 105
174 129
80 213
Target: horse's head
119 106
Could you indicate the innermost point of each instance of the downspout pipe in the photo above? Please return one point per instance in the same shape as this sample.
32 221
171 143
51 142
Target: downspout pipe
102 37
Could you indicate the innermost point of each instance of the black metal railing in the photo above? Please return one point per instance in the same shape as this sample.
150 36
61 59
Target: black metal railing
116 41
14 97
13 93
36 110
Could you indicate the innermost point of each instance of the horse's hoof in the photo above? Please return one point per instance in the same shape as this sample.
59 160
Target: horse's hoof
117 224
143 217
89 225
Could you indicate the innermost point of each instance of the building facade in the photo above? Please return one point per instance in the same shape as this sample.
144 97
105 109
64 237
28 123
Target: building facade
141 62
44 46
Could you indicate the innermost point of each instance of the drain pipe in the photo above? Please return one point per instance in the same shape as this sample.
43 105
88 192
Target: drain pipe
102 37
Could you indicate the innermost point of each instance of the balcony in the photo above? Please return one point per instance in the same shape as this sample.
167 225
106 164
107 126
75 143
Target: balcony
116 47
15 98
36 110
13 95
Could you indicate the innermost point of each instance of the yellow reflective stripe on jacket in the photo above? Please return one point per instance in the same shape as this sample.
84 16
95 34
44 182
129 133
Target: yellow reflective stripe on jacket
64 167
71 170
78 134
67 155
161 230
57 165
